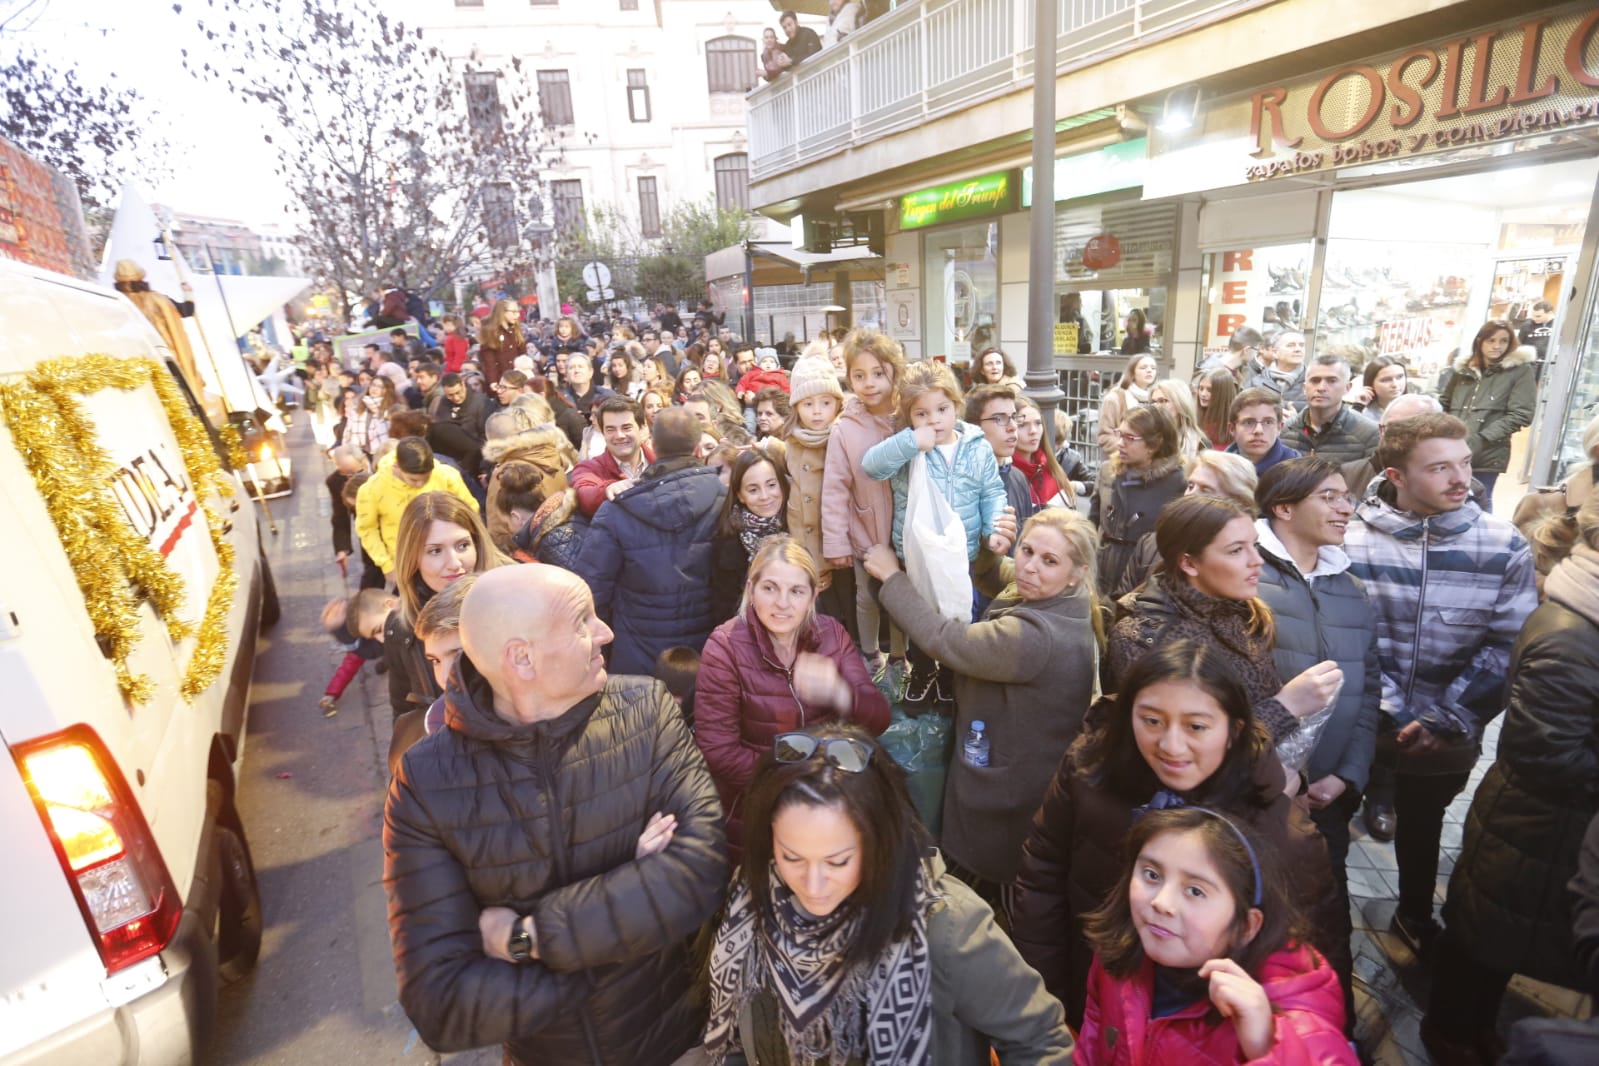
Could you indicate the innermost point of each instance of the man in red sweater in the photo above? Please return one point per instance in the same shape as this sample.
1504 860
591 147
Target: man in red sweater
619 467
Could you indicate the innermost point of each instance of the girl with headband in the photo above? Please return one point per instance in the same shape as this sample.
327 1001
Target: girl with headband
1199 956
1180 733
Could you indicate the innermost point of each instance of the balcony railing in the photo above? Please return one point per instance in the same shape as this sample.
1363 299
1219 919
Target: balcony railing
924 60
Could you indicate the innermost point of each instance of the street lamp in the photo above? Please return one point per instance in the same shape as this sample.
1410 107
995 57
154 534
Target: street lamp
159 246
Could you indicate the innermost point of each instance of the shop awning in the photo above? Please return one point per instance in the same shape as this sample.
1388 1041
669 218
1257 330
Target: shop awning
778 263
810 262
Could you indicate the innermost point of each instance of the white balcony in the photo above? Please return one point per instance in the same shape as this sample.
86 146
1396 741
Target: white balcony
924 60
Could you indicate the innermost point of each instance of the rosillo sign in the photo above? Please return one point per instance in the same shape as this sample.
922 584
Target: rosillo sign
1538 75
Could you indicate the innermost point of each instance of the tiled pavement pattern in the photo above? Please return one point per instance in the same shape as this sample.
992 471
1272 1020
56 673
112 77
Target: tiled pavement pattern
1390 985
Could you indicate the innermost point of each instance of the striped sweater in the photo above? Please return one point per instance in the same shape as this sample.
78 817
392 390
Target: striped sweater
1451 592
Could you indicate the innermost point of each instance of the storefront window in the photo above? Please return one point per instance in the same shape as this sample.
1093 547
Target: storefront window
1407 300
962 280
1584 404
1263 288
1112 268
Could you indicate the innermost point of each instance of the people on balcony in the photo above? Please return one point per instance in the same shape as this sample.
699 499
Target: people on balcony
802 41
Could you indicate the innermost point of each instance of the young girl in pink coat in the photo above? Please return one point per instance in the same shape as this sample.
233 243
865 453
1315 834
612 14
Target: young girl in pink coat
858 512
1196 960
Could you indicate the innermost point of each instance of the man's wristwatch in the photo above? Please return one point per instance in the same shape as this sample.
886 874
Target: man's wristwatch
520 946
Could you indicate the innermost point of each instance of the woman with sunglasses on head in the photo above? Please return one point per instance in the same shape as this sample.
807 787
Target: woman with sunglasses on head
1179 733
776 666
844 940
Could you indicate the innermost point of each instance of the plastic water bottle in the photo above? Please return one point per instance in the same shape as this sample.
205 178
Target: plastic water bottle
975 749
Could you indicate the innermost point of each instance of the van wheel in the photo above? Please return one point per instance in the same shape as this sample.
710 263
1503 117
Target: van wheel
271 609
239 909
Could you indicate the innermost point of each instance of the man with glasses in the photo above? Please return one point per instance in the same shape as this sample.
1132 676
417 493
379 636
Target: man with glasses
550 853
1321 613
1256 422
992 408
1450 586
1329 427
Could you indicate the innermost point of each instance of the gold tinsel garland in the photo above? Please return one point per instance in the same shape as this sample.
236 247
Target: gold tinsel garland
114 567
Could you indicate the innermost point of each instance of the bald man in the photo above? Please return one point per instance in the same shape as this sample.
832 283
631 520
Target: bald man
551 851
647 554
1359 472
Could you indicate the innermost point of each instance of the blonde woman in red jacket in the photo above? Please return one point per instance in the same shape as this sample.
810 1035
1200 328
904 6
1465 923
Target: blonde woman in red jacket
1197 960
776 667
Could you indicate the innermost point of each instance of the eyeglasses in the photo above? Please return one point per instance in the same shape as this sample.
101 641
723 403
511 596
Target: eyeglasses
1332 497
1128 438
1249 425
1000 420
842 753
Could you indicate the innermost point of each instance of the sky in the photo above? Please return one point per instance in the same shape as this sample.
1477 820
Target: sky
219 165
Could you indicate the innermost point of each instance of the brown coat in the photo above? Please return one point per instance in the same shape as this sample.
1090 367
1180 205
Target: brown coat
805 475
546 448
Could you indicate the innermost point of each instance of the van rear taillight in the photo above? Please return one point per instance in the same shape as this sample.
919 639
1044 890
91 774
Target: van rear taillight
106 850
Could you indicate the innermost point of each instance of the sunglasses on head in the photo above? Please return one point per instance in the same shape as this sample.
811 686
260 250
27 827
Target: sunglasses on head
842 753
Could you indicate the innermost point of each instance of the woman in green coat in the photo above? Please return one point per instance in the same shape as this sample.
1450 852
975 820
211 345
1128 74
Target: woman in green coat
1493 389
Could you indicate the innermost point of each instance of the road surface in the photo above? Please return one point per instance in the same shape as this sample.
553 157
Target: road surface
311 798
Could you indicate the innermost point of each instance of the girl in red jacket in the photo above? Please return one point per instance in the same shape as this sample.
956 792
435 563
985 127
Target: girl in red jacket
1197 960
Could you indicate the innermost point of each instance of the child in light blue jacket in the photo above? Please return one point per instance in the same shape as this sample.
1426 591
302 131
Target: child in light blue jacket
960 466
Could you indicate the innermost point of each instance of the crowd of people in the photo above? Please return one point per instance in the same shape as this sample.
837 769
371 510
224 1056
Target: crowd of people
646 602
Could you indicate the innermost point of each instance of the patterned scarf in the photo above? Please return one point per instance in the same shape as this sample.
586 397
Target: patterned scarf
1229 623
752 528
828 1013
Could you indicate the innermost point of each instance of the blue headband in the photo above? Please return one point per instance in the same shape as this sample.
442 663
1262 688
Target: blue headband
1165 800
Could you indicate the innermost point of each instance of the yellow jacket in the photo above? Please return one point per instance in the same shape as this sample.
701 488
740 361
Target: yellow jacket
383 498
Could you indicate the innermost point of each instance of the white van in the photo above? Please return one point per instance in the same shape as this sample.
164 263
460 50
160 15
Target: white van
128 891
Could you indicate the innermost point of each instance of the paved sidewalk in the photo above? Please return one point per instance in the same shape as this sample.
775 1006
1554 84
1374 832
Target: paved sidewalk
1390 984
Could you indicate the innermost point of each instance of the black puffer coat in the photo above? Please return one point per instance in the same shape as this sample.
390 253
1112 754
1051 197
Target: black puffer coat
545 819
647 558
1524 830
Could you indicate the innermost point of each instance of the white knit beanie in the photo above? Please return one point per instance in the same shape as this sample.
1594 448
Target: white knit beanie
813 376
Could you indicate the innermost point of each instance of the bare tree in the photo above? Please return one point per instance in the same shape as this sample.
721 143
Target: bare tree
93 133
410 169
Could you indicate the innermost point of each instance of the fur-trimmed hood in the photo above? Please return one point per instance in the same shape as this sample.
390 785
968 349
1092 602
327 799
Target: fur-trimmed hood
1158 469
538 444
1519 356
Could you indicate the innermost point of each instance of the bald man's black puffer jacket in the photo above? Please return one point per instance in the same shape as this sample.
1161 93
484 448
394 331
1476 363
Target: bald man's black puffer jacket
545 819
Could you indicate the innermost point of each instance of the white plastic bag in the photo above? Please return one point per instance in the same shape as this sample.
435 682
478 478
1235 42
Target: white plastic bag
935 546
1294 750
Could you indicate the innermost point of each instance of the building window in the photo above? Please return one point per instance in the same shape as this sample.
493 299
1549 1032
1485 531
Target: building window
629 5
544 3
555 97
468 3
499 214
649 208
730 64
567 196
733 182
483 102
638 96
